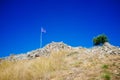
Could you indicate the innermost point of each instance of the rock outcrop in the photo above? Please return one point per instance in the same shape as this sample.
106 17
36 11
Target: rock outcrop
107 48
45 51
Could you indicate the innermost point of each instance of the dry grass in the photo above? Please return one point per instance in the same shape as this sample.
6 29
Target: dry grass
63 65
35 69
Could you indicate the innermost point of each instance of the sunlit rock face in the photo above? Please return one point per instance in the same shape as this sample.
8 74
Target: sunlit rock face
54 46
107 48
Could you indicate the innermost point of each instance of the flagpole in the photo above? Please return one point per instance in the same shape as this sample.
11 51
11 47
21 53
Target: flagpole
42 31
41 39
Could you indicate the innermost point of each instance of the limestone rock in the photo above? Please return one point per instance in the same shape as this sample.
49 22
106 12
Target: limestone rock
107 48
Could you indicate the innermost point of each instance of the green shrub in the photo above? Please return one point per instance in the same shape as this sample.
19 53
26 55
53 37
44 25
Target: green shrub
100 39
106 76
104 66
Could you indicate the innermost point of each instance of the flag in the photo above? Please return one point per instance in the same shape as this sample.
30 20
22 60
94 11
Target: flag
43 30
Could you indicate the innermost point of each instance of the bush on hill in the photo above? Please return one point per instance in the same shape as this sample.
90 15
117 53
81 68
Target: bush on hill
100 39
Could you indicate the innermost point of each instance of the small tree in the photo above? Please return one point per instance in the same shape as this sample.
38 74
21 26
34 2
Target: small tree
100 39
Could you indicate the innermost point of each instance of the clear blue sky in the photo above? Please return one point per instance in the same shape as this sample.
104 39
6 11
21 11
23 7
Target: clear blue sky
74 22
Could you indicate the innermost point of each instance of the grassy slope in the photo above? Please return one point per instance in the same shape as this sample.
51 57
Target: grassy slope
63 65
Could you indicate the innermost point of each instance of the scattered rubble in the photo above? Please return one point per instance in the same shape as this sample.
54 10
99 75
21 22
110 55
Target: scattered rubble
107 48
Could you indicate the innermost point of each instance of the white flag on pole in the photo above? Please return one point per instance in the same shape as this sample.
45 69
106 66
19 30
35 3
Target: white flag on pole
43 30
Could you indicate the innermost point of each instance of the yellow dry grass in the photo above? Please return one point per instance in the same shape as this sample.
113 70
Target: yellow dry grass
63 65
35 69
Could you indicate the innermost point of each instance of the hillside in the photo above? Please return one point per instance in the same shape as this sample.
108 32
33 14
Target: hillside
59 61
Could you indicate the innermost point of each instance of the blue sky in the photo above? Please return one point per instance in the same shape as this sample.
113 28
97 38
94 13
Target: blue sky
75 22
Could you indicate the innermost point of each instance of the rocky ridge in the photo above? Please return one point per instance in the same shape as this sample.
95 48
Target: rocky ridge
107 48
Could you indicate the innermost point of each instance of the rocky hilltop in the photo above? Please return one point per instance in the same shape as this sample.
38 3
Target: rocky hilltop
59 61
107 48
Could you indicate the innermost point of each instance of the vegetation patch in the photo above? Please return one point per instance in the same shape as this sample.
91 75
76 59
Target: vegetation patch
100 39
